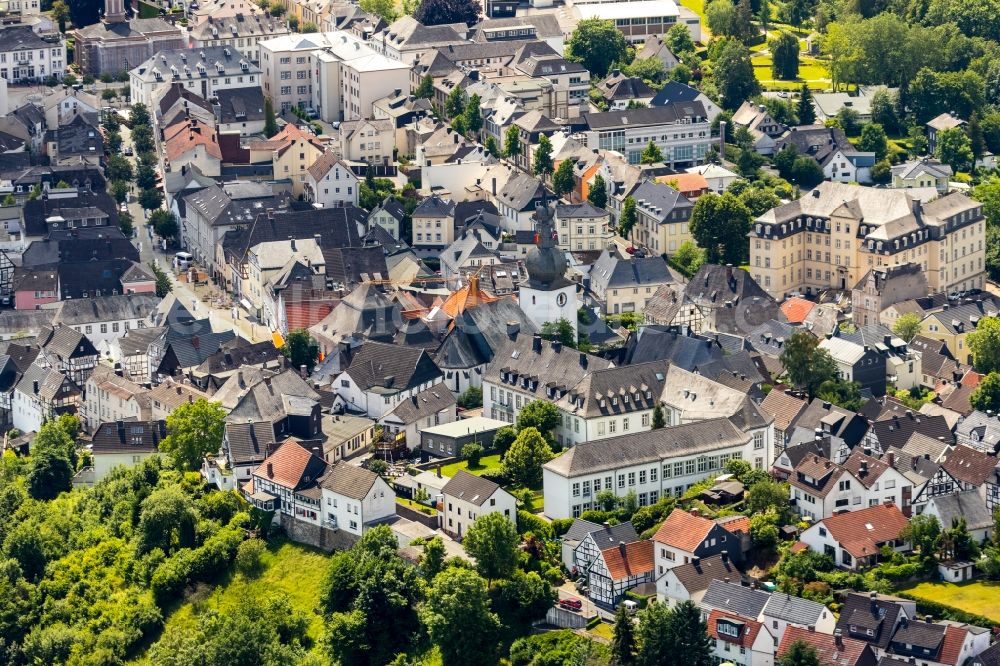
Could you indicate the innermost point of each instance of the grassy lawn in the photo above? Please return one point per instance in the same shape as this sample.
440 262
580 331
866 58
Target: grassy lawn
603 630
979 597
812 72
290 569
486 464
417 506
698 7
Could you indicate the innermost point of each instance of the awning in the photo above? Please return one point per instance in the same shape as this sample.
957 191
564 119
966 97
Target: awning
279 341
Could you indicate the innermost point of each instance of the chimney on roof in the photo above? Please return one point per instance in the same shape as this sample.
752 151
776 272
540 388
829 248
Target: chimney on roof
725 555
695 511
536 343
583 360
270 470
556 346
621 548
696 561
812 627
513 328
929 619
34 386
178 390
815 194
890 458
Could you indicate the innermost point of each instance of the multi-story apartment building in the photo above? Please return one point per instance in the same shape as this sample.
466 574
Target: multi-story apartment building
26 56
681 131
654 464
836 233
241 33
662 217
335 74
203 71
583 227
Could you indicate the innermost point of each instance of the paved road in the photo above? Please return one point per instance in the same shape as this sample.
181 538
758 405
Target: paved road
198 299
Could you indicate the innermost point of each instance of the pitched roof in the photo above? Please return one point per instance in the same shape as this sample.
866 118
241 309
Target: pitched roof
969 465
470 488
795 309
129 437
186 135
795 609
292 466
376 365
606 536
428 402
249 441
865 468
869 611
579 529
349 480
697 576
862 532
831 650
683 530
785 408
734 598
748 634
625 560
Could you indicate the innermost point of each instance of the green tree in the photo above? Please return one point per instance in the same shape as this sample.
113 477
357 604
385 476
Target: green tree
270 121
849 120
720 224
764 530
384 9
49 474
734 75
541 415
543 157
163 284
623 647
118 168
167 521
459 621
432 561
984 344
503 438
472 453
806 364
678 40
874 140
60 12
491 146
426 88
688 258
806 172
678 637
924 533
882 172
767 495
563 181
652 154
955 149
628 218
523 461
150 199
883 111
559 331
473 115
145 177
651 70
654 636
454 103
597 194
785 56
977 140
142 138
511 142
986 396
440 12
799 653
300 349
597 44
907 326
658 420
119 190
492 541
804 109
164 223
841 392
195 430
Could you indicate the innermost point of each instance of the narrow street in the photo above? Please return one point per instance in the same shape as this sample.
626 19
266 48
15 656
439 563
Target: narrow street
199 299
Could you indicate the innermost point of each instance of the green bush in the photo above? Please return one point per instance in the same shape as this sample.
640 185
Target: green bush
529 522
250 557
561 525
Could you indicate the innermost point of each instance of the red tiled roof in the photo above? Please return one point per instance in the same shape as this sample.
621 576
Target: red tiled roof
795 309
749 633
971 378
286 465
632 559
830 650
685 182
468 296
951 647
683 530
860 532
874 467
183 136
734 524
798 547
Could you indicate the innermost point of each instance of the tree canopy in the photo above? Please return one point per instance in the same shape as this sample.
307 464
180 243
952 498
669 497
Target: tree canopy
597 44
720 224
195 430
807 365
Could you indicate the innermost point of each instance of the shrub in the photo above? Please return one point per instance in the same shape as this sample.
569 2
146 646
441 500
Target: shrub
472 453
529 522
561 525
249 557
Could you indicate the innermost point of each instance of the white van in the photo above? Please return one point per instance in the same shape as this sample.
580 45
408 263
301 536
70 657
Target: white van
183 260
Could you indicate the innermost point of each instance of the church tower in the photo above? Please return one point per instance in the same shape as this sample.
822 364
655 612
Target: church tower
548 296
114 11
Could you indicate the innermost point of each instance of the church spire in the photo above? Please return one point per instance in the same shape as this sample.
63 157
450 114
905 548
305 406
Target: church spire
114 11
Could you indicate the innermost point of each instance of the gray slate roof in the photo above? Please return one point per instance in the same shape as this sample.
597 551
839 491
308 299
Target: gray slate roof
349 480
470 488
795 609
734 598
968 505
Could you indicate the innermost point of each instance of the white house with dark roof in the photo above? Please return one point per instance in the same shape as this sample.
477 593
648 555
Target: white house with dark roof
125 443
968 506
466 497
681 131
204 71
354 499
331 182
783 610
380 376
584 541
689 581
654 464
431 407
244 446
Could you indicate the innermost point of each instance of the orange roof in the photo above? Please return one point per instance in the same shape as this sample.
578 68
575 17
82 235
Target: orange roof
685 182
831 650
287 465
971 378
683 530
626 560
951 646
798 547
186 135
468 296
795 309
747 637
860 532
735 524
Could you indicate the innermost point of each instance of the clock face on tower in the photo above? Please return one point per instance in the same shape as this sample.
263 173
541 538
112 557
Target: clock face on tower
561 300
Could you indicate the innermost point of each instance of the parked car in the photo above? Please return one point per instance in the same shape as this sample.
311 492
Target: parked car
571 604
